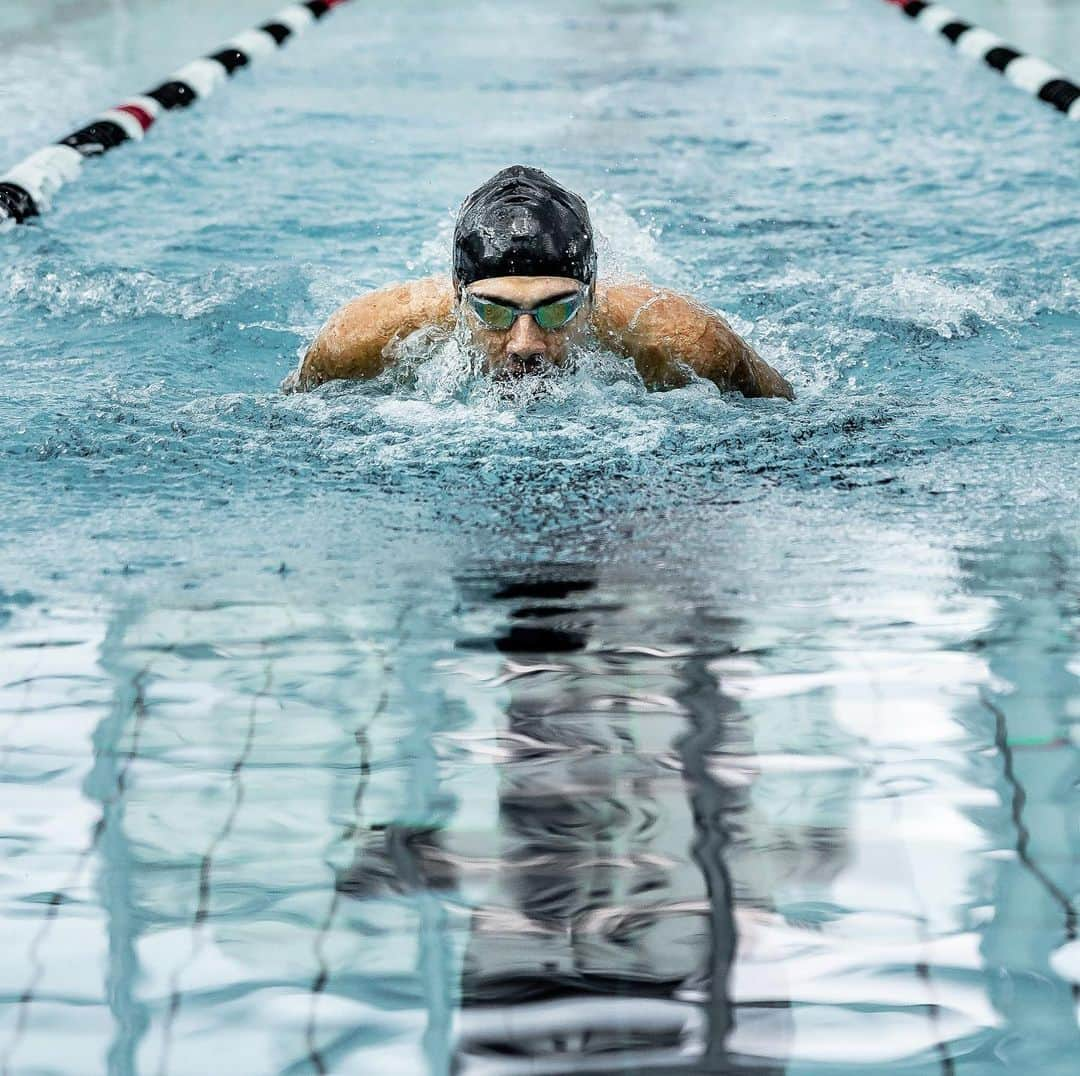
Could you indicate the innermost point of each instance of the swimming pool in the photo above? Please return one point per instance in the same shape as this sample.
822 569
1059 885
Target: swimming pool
404 728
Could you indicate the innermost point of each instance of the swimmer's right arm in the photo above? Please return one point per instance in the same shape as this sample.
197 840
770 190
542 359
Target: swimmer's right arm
358 340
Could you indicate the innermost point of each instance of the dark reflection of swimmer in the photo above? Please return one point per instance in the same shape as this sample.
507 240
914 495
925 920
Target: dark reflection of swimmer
524 288
607 937
600 922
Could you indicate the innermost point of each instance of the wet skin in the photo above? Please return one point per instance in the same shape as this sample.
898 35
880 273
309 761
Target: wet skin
524 348
669 337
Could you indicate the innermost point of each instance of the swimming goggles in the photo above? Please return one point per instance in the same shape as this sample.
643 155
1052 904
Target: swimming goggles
549 316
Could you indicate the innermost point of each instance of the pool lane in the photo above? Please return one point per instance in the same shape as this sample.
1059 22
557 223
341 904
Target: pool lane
28 189
330 722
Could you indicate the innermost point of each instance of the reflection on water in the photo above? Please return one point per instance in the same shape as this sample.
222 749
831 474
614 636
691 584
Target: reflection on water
544 820
608 934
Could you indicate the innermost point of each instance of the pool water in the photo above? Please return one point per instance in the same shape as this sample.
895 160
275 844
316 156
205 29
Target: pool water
407 727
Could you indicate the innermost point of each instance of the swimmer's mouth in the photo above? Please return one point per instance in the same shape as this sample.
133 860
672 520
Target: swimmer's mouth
515 369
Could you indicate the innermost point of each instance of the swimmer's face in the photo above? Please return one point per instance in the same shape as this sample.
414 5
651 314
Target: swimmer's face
524 348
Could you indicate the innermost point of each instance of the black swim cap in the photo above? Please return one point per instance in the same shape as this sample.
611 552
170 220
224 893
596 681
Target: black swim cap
522 223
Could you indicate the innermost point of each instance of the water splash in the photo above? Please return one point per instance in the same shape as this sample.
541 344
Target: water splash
949 310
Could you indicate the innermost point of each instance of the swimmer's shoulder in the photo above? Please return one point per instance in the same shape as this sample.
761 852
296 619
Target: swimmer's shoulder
433 294
428 301
610 301
394 311
619 307
357 340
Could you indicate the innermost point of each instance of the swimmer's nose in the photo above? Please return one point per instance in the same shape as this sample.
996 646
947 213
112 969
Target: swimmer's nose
525 342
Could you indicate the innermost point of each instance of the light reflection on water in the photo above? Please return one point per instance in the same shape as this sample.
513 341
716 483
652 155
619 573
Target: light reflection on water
552 819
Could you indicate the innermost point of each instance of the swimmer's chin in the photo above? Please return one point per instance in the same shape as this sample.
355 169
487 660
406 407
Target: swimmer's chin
520 369
522 387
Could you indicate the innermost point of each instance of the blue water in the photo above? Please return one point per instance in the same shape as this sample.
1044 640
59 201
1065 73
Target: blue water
407 728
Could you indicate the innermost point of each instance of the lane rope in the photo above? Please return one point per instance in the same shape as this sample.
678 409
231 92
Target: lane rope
27 189
1040 79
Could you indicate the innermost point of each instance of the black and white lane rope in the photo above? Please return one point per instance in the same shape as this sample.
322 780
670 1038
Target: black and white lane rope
1039 78
27 189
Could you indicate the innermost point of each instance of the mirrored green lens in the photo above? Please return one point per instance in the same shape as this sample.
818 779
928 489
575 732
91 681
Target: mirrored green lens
556 315
493 315
549 316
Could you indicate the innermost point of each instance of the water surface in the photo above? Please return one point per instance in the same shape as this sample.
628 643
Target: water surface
408 728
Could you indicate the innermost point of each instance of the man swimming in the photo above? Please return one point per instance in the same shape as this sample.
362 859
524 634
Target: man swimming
524 289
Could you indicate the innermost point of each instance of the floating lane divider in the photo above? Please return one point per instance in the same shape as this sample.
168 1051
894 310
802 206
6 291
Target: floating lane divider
28 188
1039 78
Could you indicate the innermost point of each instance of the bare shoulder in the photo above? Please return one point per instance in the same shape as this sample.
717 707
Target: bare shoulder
358 339
661 329
617 305
667 334
643 309
414 302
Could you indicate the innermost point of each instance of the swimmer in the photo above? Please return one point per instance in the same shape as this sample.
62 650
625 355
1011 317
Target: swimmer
523 286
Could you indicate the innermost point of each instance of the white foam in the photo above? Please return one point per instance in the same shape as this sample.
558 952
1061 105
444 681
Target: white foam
792 277
951 311
122 294
436 252
627 247
440 370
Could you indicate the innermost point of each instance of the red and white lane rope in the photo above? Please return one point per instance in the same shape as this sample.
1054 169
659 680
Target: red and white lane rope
27 189
1039 78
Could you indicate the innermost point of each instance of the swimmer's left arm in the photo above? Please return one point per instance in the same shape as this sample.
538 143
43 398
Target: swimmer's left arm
667 334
